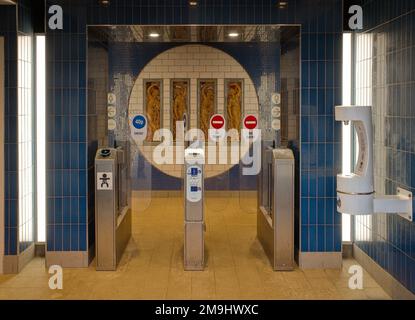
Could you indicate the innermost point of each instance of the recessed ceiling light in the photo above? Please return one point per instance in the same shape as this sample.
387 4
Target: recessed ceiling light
233 34
154 35
193 2
282 4
104 2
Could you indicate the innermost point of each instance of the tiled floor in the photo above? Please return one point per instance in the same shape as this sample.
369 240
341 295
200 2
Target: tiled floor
152 267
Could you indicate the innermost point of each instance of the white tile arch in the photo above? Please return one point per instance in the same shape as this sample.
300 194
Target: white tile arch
191 62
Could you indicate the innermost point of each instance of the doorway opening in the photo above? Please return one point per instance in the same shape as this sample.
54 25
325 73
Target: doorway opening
197 70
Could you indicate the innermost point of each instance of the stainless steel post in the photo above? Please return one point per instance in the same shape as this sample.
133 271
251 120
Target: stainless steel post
283 207
275 223
112 221
194 210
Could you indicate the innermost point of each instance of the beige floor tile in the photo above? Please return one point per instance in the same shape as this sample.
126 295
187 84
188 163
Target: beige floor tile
152 266
376 294
315 274
341 283
322 284
348 294
279 293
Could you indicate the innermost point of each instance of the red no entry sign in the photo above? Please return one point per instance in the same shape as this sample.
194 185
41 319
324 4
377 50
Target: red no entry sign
217 122
250 122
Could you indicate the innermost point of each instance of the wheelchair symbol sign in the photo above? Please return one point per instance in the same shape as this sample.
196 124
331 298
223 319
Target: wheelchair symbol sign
104 181
138 125
139 122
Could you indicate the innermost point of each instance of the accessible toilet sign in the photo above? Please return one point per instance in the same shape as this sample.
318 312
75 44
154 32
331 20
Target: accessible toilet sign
138 125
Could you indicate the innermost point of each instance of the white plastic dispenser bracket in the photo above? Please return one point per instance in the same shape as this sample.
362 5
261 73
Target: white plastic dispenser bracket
355 191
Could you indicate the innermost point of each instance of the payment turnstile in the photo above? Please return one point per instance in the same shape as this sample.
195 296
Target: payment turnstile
112 207
194 210
275 220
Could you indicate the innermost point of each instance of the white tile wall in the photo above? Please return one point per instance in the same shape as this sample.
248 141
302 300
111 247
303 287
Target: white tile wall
192 62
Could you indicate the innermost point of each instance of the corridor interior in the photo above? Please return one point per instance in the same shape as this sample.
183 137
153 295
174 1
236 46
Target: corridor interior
152 266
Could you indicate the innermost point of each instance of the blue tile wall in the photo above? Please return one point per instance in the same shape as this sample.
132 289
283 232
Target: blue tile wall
8 29
320 135
321 82
390 240
68 169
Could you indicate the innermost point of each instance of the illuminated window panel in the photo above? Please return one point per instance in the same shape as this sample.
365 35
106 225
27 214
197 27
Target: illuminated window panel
363 89
347 135
25 142
41 137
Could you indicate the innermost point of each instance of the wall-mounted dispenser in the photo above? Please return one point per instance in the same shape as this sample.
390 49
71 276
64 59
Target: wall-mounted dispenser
355 191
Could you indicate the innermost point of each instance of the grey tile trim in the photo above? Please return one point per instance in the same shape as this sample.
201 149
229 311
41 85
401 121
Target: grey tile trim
392 286
320 260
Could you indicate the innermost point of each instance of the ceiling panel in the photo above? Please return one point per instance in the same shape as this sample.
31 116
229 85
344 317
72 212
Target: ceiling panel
8 2
211 33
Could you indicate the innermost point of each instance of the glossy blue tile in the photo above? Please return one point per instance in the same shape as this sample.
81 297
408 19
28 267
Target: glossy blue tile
304 211
337 238
83 182
321 241
74 129
305 156
321 82
82 240
66 237
312 184
312 211
12 207
305 184
313 101
73 162
304 239
305 130
331 210
321 186
329 238
74 237
312 238
66 182
58 211
82 204
58 238
321 211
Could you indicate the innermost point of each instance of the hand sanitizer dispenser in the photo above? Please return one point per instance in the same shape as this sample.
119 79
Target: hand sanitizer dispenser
355 191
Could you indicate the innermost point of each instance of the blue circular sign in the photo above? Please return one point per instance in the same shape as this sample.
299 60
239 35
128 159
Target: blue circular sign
139 122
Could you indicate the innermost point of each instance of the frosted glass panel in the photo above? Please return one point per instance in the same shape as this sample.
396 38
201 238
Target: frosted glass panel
25 142
363 89
41 136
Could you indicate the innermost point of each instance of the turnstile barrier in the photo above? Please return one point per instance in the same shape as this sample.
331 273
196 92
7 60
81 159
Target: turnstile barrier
112 211
275 218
